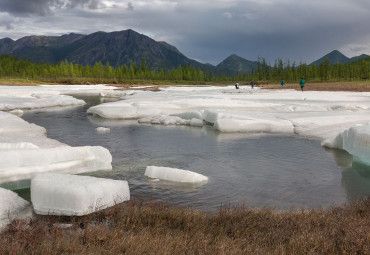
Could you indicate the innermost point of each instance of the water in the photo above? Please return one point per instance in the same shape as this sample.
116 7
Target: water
283 172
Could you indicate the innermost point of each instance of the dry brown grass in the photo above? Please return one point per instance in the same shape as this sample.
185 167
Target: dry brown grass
355 86
156 228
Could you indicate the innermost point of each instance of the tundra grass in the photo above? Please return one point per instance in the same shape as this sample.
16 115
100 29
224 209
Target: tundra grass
137 227
355 86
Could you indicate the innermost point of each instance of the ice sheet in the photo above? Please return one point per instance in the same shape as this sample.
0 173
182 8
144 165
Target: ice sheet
34 97
355 140
174 174
22 163
317 114
63 194
25 150
10 203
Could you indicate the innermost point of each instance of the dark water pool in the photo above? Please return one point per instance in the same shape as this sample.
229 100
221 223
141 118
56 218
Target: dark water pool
279 171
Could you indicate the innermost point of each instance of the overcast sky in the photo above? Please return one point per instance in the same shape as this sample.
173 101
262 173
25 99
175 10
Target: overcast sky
207 31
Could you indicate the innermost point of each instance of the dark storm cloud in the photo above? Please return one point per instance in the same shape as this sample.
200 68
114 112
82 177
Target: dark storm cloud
210 31
130 6
7 25
42 7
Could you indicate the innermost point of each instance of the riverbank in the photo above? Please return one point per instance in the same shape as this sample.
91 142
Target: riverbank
135 227
355 86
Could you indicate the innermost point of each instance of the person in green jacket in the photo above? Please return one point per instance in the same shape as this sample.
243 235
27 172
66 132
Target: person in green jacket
302 83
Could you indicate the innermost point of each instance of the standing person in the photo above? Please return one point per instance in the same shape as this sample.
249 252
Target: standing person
302 83
282 83
237 85
252 84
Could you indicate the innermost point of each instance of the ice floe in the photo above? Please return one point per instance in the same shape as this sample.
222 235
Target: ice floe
63 194
316 114
17 112
10 202
174 174
15 98
22 163
102 130
25 150
355 140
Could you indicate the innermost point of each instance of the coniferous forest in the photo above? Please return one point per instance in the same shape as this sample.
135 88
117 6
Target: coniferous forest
14 67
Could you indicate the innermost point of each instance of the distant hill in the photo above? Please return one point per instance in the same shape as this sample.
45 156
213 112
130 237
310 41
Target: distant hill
337 57
117 48
236 64
124 47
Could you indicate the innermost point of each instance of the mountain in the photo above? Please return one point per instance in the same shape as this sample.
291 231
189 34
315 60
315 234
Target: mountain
117 48
358 57
124 47
337 57
236 64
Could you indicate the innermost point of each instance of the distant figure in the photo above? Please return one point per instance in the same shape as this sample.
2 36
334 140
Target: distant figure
237 85
302 83
282 83
252 84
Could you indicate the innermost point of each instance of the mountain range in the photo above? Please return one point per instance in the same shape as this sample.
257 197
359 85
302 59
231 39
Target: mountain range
125 47
336 57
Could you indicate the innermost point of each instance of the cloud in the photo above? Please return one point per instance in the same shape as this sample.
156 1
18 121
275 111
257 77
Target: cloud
207 30
130 6
227 15
43 7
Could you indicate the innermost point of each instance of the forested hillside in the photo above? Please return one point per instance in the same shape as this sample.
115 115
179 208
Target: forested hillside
13 67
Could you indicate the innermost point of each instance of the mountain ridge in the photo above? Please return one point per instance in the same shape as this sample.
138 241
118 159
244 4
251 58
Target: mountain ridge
336 57
126 47
117 48
237 64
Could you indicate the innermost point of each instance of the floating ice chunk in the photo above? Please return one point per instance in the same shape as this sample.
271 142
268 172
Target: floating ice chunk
334 143
102 130
355 140
174 174
23 145
17 112
62 194
10 202
25 149
38 101
196 122
15 130
255 126
172 120
114 110
247 121
20 164
191 115
112 93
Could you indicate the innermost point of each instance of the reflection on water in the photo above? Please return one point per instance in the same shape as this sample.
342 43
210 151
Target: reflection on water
279 171
355 175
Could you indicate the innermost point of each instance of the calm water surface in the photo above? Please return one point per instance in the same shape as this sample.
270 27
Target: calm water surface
278 171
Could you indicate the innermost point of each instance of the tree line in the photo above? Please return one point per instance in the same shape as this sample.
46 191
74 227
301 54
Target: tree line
325 71
14 67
